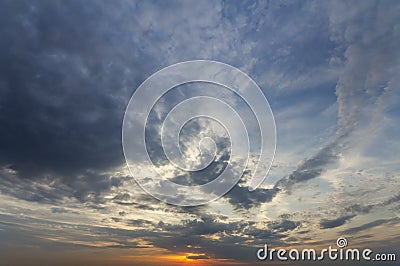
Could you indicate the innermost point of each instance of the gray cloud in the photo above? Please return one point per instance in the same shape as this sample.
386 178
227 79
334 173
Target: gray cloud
197 257
242 199
64 90
365 209
357 208
140 222
284 226
354 90
62 210
394 199
326 224
370 225
312 167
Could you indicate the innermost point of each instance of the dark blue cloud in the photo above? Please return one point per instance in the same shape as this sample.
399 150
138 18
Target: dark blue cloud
367 226
326 224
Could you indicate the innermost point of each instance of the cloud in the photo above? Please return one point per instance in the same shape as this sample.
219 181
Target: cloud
359 83
284 225
61 210
327 224
63 98
312 167
365 209
370 225
242 199
197 257
391 200
66 98
357 208
140 222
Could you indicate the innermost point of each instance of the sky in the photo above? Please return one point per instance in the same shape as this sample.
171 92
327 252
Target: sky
329 70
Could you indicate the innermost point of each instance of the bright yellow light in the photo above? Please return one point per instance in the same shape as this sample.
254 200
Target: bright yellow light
185 259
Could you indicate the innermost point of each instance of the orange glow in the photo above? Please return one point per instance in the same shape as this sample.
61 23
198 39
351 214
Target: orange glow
183 259
197 259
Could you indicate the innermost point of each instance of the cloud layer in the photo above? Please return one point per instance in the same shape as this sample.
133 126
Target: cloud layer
329 70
